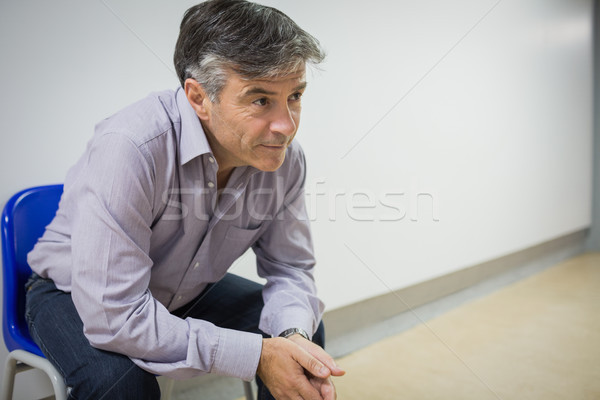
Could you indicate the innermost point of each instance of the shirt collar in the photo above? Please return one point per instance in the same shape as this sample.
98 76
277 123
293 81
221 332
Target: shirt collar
193 142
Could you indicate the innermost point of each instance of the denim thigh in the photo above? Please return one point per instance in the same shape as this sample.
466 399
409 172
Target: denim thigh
90 373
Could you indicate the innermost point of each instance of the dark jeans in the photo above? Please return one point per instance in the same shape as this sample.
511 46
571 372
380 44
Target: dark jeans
91 373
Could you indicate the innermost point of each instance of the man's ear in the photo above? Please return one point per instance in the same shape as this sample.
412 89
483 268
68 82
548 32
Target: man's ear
198 98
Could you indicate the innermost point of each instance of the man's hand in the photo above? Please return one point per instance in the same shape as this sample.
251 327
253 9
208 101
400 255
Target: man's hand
297 368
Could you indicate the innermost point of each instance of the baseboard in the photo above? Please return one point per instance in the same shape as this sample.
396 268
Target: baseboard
357 325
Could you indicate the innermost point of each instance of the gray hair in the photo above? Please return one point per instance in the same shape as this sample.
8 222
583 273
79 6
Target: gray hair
255 41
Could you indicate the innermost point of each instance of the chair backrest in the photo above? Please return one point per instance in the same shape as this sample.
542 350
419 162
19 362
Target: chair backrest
24 220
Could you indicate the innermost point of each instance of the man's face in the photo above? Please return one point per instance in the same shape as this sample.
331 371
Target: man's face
255 120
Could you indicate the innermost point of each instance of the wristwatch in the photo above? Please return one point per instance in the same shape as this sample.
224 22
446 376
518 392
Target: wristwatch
292 331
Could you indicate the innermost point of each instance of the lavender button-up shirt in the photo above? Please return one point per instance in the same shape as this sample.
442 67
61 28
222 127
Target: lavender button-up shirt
140 232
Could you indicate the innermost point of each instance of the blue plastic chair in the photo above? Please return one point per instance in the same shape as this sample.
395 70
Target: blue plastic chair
24 219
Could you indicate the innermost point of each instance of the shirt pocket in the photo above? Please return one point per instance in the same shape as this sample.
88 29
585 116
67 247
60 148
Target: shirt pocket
236 242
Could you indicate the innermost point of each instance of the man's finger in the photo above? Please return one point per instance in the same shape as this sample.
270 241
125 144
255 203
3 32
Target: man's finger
312 364
318 352
328 390
308 392
328 361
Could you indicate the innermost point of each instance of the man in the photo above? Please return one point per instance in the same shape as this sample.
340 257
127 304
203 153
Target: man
130 278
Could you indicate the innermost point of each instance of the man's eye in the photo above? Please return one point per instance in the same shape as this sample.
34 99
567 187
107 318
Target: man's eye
261 102
296 96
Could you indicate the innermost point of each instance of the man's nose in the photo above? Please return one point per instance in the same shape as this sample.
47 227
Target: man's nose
283 121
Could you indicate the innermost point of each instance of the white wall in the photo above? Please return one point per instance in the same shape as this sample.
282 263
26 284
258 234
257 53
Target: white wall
479 113
439 134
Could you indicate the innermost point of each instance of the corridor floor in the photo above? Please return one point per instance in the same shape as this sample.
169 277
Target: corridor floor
536 339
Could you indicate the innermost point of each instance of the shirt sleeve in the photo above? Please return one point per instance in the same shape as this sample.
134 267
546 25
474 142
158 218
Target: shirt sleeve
111 273
285 258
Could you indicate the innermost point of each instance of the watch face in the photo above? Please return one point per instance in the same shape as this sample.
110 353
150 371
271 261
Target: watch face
293 331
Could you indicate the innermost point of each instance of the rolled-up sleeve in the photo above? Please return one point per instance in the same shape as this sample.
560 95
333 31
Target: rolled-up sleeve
285 258
111 273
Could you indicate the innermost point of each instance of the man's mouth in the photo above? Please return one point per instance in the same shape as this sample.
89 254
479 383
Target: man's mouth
273 146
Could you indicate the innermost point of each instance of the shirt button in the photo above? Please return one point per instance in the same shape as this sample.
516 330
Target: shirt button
211 160
196 265
179 298
211 185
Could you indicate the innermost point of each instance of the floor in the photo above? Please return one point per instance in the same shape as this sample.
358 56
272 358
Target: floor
536 339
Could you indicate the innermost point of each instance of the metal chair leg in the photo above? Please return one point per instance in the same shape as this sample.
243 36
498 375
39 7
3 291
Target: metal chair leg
8 382
248 390
21 360
169 383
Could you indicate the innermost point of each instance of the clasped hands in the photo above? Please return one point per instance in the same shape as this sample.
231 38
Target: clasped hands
296 368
